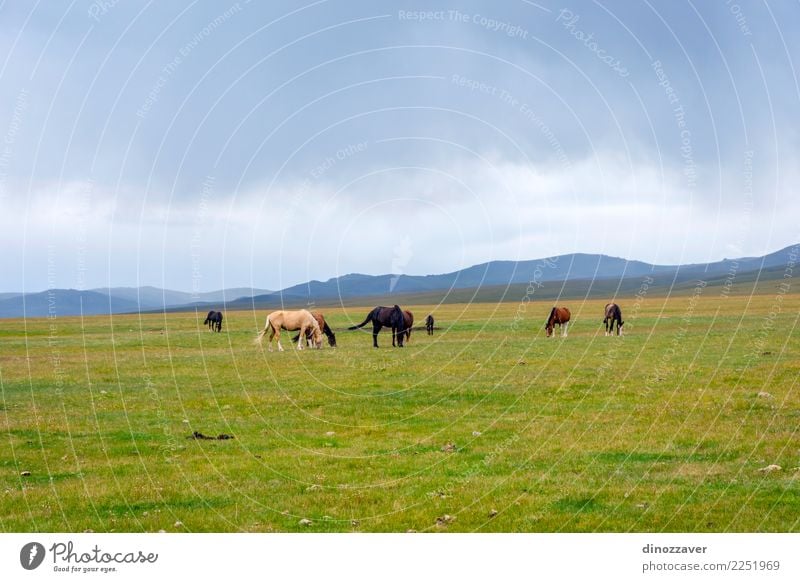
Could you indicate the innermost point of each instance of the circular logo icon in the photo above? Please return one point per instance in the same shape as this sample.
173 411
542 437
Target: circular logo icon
31 555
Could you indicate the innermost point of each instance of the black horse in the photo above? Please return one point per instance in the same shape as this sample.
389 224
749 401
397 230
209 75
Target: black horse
429 324
214 320
613 313
388 317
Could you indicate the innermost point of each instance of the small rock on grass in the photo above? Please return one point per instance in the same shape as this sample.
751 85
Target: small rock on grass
305 522
445 520
25 474
770 468
178 524
493 512
764 395
449 448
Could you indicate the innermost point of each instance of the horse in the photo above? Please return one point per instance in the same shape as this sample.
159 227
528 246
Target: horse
291 321
613 313
214 320
558 316
429 324
408 320
323 325
385 316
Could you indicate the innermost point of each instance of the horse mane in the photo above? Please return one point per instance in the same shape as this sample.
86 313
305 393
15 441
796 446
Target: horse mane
552 315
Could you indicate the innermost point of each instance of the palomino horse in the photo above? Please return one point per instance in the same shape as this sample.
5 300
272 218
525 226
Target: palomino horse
291 321
408 320
613 313
429 324
323 325
214 320
558 316
385 316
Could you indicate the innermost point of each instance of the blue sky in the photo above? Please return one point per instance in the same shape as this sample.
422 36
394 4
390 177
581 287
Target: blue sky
210 144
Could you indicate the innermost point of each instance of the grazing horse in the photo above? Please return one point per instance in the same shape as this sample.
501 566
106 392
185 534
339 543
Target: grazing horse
323 325
408 320
558 316
291 321
214 320
385 316
613 313
429 324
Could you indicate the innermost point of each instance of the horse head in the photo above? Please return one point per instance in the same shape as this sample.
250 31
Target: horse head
548 325
316 335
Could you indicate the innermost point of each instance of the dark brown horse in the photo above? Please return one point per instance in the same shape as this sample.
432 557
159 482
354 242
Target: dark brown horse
613 313
429 324
385 316
408 320
323 325
558 316
214 320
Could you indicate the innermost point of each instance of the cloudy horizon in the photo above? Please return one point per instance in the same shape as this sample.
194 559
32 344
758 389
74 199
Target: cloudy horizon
211 146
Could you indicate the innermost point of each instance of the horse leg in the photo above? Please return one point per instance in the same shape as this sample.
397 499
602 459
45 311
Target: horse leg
564 331
271 335
302 337
278 338
376 328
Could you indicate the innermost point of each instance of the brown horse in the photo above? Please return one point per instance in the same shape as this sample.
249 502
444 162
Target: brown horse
385 316
613 313
291 321
323 325
429 324
558 316
408 320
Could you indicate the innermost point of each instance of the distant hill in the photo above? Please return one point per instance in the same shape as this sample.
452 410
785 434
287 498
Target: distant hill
149 298
68 302
598 273
572 275
63 302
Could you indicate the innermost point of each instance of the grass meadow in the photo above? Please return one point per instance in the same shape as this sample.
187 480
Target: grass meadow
486 426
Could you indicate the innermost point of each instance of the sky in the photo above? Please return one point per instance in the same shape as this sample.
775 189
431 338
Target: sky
205 145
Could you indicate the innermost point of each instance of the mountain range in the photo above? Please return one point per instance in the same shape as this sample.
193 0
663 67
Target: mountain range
577 274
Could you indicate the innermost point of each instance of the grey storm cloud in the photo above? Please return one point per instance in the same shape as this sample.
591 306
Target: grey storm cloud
267 144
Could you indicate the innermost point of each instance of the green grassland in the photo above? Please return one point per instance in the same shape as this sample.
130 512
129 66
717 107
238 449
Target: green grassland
487 422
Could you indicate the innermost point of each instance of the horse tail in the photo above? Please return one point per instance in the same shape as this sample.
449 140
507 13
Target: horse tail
263 332
363 323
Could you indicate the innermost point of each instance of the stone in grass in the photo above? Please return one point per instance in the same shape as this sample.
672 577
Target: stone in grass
178 524
445 520
493 512
305 522
25 474
449 448
764 395
770 468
